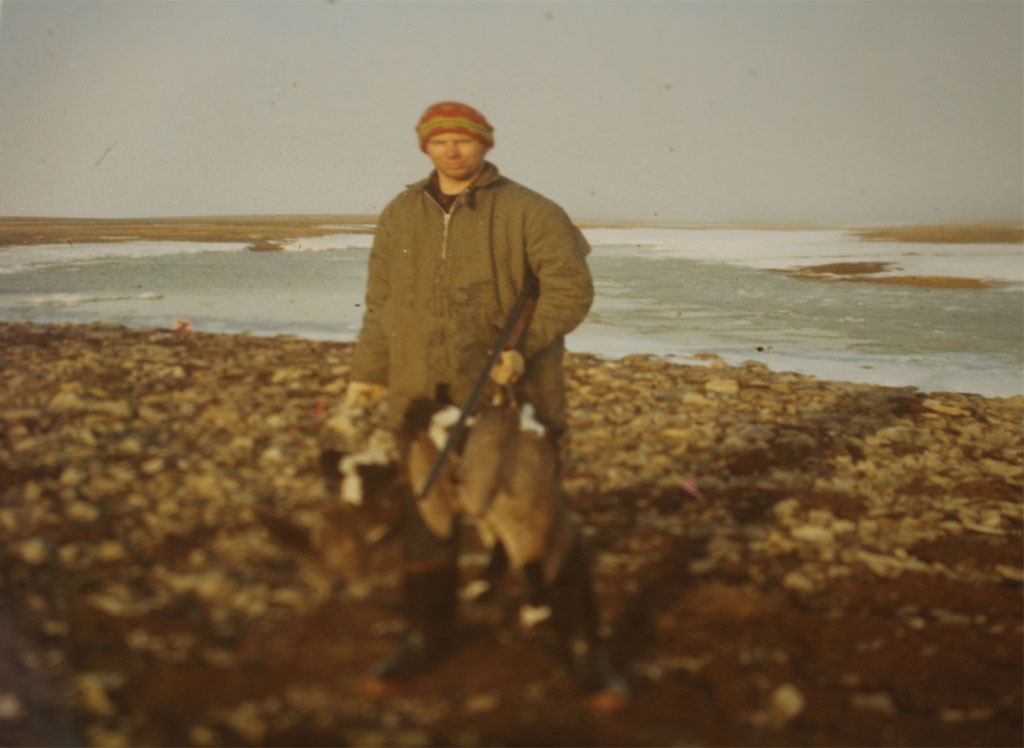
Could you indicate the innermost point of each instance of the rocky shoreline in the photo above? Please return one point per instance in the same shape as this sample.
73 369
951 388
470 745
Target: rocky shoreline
780 560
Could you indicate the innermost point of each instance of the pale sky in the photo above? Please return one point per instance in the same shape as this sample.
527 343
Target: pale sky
813 112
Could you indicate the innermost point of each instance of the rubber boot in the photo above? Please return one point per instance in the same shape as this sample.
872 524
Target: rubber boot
484 588
430 598
574 615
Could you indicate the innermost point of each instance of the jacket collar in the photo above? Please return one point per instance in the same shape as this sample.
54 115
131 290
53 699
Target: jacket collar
487 177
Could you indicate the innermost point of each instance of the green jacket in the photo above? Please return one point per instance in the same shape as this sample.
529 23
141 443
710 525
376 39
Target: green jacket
440 287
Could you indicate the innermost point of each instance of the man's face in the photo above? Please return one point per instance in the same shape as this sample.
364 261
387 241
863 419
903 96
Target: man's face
458 157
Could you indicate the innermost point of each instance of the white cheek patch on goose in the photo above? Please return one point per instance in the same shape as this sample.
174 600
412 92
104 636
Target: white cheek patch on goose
528 422
351 481
442 423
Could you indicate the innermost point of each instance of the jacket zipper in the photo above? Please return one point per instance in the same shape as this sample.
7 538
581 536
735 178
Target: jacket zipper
447 217
444 236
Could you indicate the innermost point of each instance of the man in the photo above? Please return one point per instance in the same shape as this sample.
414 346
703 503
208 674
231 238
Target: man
450 257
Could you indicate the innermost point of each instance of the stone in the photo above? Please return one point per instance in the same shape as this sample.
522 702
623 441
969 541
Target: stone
938 407
813 534
12 709
34 551
91 691
481 703
798 582
788 702
722 386
879 702
80 511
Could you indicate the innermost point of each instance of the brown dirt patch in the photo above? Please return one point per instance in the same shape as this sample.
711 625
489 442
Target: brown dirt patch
946 234
845 268
866 272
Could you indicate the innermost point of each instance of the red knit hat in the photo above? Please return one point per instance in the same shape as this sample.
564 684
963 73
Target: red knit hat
451 116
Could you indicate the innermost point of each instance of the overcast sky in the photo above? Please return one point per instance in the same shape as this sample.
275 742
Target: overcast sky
816 112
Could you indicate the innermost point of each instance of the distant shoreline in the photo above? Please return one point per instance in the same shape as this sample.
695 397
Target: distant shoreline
22 231
29 230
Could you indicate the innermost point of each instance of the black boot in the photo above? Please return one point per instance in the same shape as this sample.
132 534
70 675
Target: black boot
484 588
574 614
430 598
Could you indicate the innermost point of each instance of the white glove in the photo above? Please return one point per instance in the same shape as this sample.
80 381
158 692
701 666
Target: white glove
509 369
364 394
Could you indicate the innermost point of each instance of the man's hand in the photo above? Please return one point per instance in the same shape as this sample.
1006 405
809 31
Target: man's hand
509 369
364 394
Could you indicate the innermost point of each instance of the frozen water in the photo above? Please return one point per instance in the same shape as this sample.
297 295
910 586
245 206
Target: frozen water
669 292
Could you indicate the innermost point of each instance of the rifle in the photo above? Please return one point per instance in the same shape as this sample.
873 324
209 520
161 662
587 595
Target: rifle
515 326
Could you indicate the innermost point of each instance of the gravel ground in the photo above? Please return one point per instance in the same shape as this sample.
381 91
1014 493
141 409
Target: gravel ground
779 560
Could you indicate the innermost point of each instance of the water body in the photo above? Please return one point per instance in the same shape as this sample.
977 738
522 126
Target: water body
673 293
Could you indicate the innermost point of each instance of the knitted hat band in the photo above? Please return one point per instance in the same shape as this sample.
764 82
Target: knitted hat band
453 117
